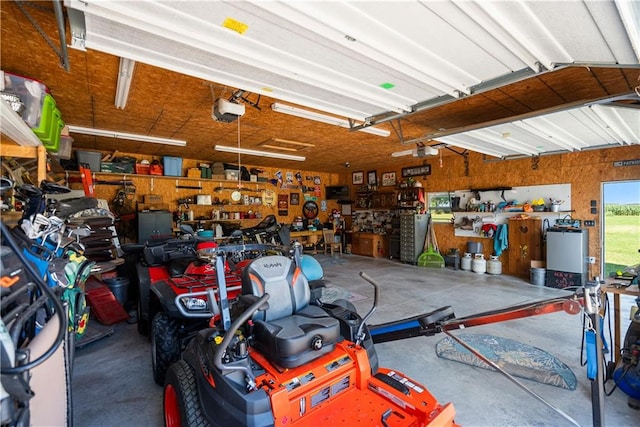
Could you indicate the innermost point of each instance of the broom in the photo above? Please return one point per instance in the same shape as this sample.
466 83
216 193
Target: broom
431 257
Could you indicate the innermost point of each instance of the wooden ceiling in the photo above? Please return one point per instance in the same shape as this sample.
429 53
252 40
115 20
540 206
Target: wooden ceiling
168 104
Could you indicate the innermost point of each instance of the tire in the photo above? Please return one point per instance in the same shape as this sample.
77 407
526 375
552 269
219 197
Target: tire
181 404
165 345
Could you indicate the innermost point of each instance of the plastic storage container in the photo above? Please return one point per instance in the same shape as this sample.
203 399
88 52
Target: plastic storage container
538 276
494 266
119 287
172 166
43 130
479 264
92 159
31 93
474 247
465 262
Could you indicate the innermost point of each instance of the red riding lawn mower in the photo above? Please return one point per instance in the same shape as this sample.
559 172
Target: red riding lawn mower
285 360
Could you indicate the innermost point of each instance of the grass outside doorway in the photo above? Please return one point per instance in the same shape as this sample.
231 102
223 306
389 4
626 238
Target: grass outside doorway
621 242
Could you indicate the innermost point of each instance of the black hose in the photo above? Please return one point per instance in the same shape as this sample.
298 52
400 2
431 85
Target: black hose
59 309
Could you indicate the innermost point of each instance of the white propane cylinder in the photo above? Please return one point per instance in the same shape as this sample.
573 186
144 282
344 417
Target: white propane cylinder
479 264
465 262
494 266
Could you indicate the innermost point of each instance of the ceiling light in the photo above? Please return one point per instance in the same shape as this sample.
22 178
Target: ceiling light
125 74
259 153
318 117
124 135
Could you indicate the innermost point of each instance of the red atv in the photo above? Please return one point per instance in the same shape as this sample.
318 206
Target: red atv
173 267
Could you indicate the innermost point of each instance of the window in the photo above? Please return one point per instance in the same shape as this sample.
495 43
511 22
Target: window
440 207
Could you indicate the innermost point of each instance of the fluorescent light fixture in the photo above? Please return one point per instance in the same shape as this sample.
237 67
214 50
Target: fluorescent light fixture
124 135
15 128
421 151
259 153
125 74
318 117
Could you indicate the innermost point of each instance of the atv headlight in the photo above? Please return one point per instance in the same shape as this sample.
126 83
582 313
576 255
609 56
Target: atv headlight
194 303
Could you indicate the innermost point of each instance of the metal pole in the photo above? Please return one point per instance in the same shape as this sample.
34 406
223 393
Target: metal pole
592 308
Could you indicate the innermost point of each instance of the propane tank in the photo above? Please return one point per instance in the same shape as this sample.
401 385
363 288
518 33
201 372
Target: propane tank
465 262
479 264
494 266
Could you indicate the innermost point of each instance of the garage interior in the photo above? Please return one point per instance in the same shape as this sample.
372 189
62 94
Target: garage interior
478 109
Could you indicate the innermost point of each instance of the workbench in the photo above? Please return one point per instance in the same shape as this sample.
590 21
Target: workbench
307 238
617 291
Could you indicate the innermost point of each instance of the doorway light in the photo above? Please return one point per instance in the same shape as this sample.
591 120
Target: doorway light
124 135
318 117
420 151
259 153
125 75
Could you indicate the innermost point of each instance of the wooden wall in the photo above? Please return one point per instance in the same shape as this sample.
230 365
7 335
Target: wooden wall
585 171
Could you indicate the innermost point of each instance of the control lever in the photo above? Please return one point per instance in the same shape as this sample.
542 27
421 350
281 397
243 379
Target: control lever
360 335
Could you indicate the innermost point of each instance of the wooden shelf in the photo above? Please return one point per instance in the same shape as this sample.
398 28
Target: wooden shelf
179 178
9 149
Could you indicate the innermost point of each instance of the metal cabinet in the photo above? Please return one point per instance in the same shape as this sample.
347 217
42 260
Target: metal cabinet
152 225
413 230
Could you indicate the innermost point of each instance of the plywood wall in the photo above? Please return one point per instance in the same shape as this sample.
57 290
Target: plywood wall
585 171
166 188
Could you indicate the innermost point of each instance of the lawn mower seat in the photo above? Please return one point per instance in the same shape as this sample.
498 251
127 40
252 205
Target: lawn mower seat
290 332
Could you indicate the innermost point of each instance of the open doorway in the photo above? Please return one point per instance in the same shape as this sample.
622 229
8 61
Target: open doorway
621 226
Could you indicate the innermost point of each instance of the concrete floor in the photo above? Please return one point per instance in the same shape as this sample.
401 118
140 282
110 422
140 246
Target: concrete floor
113 386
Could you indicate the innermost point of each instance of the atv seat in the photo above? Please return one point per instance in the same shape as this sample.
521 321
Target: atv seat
290 332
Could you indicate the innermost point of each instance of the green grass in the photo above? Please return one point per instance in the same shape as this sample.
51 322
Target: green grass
621 242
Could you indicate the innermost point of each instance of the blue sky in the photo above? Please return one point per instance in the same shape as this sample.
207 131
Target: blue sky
622 192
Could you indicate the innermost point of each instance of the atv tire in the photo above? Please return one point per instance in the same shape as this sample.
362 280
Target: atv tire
165 345
181 403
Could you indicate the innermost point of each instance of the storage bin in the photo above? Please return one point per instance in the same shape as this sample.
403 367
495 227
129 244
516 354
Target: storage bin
231 175
31 92
172 166
116 167
52 141
142 169
91 159
43 130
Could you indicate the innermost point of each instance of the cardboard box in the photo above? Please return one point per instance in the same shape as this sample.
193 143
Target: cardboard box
194 173
152 198
538 264
203 199
153 206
